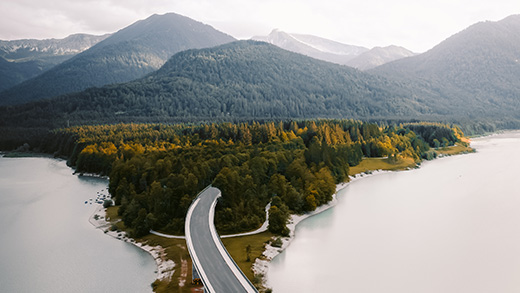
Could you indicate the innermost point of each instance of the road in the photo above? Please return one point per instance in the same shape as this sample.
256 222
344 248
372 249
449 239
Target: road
217 270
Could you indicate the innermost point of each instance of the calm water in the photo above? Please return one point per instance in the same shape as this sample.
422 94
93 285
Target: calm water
47 243
451 226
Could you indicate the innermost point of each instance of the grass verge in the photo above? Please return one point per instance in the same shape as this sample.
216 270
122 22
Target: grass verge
371 164
455 150
176 250
238 249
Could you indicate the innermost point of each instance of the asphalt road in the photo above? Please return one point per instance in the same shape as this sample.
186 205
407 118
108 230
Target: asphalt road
216 268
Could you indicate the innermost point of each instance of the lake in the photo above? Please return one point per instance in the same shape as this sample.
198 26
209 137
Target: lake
48 244
451 226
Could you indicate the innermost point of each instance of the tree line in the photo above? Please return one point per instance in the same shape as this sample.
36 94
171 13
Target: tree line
156 170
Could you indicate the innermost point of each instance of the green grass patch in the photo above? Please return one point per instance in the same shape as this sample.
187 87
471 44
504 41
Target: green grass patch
455 150
175 250
371 164
237 248
114 218
111 213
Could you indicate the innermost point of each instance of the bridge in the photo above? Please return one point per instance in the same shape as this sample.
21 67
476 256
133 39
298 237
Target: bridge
211 261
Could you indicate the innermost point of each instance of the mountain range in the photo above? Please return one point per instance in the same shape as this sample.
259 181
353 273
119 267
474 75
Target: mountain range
23 59
240 80
123 56
472 77
476 71
335 52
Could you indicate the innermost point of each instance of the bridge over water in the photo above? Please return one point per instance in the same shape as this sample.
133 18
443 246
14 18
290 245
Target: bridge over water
211 261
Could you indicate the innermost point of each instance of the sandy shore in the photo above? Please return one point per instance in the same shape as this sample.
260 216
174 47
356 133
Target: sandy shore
165 267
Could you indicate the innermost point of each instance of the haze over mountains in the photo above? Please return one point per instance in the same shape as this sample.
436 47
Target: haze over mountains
24 59
472 77
476 71
126 55
378 56
335 52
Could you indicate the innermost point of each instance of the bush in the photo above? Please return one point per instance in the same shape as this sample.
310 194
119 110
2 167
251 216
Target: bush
107 203
277 242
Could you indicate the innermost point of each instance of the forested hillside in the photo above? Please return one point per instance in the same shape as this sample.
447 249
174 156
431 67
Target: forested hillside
470 79
126 55
12 73
476 72
240 80
156 170
24 59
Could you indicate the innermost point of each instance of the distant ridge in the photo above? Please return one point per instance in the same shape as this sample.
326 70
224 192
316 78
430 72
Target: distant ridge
126 55
31 49
335 52
242 80
313 46
378 56
24 59
476 71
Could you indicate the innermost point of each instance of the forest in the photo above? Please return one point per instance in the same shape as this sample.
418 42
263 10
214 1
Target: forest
240 82
156 170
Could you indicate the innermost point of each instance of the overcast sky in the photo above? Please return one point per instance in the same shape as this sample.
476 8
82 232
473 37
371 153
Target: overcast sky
417 25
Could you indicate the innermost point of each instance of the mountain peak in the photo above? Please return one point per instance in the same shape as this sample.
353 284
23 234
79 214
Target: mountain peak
163 29
312 46
130 53
335 52
238 80
378 56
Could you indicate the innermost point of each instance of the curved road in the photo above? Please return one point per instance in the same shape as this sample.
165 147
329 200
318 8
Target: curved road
216 268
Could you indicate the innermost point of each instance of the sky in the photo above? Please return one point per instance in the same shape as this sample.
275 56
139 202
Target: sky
417 25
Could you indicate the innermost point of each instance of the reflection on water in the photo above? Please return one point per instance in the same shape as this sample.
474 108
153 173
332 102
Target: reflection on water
451 226
48 245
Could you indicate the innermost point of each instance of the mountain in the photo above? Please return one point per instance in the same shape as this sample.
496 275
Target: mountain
378 56
242 80
331 51
313 46
12 73
125 55
30 49
23 59
476 71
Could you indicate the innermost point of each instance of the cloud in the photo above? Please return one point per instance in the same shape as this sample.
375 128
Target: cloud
59 18
415 24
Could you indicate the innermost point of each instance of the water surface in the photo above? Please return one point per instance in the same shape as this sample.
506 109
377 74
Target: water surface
48 245
451 226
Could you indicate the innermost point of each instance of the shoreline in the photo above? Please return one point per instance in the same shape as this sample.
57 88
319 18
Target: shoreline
261 266
164 266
